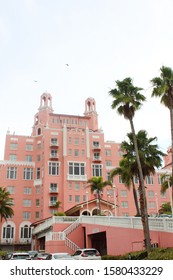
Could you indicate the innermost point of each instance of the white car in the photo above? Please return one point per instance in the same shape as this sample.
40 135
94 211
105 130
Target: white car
87 254
20 256
59 256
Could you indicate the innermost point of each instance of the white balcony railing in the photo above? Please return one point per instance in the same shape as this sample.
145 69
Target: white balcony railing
53 190
77 177
37 182
97 158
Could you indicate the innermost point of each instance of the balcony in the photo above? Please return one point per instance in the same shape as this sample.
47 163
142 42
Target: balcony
54 145
73 177
53 190
96 147
37 182
52 203
97 159
54 157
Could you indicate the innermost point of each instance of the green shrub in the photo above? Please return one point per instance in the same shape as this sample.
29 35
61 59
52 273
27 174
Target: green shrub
155 254
2 254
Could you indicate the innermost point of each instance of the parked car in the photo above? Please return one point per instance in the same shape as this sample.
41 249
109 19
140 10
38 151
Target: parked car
41 256
33 254
59 256
20 256
87 254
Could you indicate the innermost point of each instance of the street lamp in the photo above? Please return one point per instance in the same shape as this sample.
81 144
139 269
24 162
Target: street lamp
115 207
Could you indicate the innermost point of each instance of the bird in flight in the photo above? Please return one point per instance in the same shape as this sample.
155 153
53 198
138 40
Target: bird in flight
67 64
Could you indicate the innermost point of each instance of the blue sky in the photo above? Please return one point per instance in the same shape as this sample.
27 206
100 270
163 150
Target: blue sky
102 41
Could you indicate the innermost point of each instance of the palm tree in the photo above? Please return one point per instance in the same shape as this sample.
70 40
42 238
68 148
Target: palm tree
97 184
166 183
5 204
126 172
165 209
163 88
149 153
127 100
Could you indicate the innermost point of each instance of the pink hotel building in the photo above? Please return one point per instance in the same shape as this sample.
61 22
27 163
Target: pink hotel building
54 164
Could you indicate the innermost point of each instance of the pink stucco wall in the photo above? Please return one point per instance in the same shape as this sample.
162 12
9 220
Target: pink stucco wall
124 240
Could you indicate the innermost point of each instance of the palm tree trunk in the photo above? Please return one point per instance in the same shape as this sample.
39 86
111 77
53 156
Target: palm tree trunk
171 118
135 199
144 214
99 204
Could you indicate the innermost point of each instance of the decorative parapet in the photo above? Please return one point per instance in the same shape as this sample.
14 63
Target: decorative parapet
12 162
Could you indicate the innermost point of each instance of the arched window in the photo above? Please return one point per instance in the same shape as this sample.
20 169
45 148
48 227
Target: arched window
39 131
8 232
25 232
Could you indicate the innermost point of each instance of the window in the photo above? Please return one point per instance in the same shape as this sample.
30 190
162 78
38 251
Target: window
76 153
97 170
28 158
83 153
29 147
69 152
120 180
120 153
149 180
77 198
123 193
37 190
13 157
124 204
11 172
28 174
108 177
38 173
83 140
96 144
27 190
76 141
70 198
8 232
37 202
53 168
152 204
54 153
54 141
26 215
27 202
96 155
69 140
38 146
37 215
150 194
108 153
76 168
39 131
25 232
53 200
53 187
135 180
77 186
10 189
12 201
13 146
108 163
159 179
70 186
163 195
38 158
